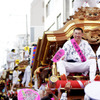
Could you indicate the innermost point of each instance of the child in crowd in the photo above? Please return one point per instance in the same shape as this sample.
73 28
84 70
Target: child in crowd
15 77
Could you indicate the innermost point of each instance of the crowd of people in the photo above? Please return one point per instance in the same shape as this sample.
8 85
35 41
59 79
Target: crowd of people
12 80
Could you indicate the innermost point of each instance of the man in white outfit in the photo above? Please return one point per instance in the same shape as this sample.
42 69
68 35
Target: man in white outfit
27 76
72 62
78 3
11 59
98 57
15 81
26 54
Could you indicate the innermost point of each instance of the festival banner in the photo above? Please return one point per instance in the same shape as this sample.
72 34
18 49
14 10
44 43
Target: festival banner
28 94
58 55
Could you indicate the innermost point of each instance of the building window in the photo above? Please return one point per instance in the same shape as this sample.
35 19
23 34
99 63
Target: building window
59 21
49 7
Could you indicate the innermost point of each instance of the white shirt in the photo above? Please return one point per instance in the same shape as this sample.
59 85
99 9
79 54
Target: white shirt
28 69
10 56
26 54
71 54
15 76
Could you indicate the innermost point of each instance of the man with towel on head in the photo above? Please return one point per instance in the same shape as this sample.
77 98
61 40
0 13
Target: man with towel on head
79 3
11 59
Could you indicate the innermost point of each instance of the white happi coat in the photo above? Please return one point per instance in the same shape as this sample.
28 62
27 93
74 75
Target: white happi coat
98 57
15 76
11 59
78 3
65 67
27 76
26 55
70 52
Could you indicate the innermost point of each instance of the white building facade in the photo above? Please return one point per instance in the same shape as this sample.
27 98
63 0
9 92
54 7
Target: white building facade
55 13
48 15
36 20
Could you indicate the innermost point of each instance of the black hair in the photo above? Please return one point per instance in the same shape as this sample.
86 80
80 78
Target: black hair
14 98
15 67
12 50
78 28
28 62
46 98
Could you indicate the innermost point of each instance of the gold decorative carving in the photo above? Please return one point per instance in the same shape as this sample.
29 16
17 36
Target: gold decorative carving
92 35
89 13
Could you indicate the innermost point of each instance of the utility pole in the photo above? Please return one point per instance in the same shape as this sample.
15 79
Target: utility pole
26 32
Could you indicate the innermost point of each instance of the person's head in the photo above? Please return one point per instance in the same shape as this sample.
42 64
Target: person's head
52 81
26 48
77 34
51 85
13 50
28 62
46 98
